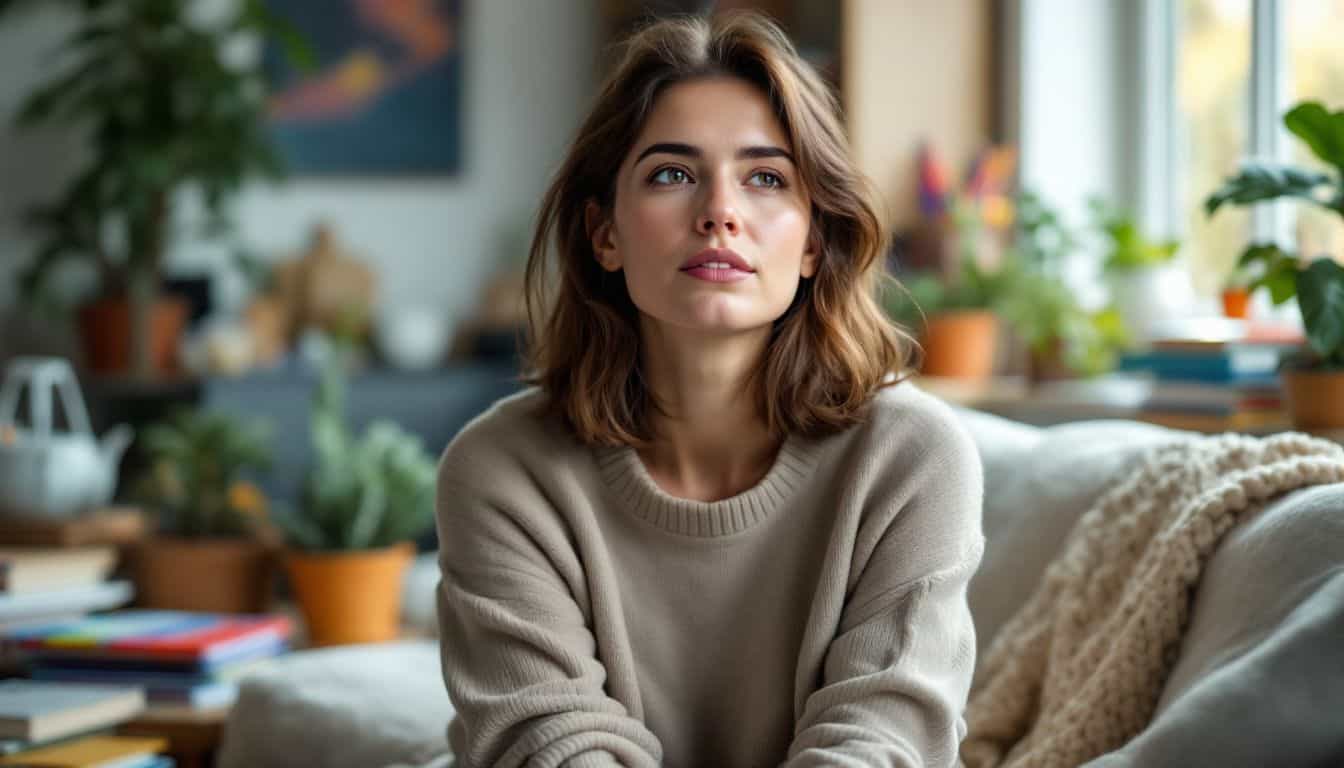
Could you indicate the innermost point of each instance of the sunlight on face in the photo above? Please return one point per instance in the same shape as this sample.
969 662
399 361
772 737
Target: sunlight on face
712 169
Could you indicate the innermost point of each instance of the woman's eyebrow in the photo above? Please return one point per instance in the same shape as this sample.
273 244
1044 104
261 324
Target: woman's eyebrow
690 150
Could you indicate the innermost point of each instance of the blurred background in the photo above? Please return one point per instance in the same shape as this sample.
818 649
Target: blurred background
212 205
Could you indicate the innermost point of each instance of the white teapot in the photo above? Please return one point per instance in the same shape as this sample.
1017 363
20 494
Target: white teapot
47 472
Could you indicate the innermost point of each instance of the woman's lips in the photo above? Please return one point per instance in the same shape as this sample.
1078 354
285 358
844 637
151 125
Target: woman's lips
717 274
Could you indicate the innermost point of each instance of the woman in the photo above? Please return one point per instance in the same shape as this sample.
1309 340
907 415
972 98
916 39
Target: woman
719 531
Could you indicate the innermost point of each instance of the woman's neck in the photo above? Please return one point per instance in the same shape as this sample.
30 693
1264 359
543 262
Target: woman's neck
711 441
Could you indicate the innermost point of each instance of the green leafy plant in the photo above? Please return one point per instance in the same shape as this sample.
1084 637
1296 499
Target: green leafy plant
1318 286
166 109
195 480
362 492
1040 307
1127 247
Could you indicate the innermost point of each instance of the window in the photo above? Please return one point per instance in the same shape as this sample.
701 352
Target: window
1239 64
1213 102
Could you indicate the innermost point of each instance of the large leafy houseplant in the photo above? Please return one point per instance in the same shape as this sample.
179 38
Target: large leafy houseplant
167 107
1314 378
1318 284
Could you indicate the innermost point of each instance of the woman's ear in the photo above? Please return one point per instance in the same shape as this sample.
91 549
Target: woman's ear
598 226
811 255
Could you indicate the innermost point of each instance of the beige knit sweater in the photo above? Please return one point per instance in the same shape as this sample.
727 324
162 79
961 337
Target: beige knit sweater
819 618
1079 669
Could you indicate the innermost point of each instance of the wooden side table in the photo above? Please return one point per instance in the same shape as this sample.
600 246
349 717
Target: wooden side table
193 734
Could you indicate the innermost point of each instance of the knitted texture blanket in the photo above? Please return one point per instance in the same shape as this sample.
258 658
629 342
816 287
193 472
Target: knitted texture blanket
1079 669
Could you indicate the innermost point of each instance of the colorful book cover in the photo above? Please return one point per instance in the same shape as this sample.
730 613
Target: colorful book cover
158 635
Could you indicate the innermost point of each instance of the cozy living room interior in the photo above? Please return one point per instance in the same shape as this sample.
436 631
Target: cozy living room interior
261 260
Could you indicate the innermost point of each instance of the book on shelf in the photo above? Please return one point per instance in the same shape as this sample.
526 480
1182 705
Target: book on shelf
96 672
28 609
1216 330
200 691
37 569
1205 397
109 526
37 711
176 638
1250 366
95 752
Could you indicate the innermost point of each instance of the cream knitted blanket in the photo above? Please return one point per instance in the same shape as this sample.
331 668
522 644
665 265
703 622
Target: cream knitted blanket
1078 670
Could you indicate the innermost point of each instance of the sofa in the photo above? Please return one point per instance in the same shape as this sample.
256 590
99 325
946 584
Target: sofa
1259 679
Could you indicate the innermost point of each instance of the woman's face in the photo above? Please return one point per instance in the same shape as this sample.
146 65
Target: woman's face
711 219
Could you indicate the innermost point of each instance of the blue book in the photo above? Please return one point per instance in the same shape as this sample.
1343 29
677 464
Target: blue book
1224 367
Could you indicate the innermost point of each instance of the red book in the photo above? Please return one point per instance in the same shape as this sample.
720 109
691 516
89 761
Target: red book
164 636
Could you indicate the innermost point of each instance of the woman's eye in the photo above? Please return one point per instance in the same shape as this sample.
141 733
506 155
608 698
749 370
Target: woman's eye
670 176
767 179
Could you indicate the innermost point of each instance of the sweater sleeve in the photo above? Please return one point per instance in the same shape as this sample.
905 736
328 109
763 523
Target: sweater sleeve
898 671
519 659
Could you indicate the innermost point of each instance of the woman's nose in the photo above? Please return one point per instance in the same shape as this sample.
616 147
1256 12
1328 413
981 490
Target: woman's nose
719 211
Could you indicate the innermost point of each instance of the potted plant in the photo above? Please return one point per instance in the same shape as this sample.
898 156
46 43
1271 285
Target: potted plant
954 313
364 500
211 518
167 109
1259 266
1063 339
1314 377
1135 267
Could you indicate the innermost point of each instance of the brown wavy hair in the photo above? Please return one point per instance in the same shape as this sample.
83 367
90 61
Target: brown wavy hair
827 354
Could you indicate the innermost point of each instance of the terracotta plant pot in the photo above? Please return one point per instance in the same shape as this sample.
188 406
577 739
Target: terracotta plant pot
216 575
960 344
1237 303
1315 398
350 597
105 326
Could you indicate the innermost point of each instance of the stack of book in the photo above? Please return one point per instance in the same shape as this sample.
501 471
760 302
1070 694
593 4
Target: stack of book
178 658
1213 385
42 584
53 724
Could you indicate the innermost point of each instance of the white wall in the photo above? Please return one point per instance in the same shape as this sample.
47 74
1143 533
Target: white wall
530 70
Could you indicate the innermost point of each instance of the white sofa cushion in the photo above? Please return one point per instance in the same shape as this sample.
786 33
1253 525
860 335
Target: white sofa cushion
351 707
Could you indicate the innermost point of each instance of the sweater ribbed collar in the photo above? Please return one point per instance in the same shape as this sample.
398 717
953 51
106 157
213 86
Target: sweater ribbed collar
633 488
